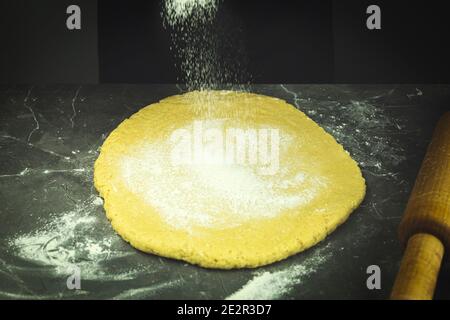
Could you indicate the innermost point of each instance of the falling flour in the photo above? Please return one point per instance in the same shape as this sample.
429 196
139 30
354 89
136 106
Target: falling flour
178 12
207 52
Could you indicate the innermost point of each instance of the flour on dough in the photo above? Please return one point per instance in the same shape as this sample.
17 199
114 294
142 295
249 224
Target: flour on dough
214 206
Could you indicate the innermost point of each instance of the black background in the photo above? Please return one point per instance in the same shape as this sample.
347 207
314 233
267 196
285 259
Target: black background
412 45
36 46
314 41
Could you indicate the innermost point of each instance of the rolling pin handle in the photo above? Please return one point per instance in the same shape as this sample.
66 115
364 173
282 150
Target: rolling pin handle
419 268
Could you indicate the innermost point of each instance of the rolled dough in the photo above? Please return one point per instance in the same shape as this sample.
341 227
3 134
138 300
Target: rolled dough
225 214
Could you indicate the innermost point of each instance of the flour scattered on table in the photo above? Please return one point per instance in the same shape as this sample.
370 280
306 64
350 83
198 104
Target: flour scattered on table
145 293
276 285
356 125
98 201
369 133
73 238
354 129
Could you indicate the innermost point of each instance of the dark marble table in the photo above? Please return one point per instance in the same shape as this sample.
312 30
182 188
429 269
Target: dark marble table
52 219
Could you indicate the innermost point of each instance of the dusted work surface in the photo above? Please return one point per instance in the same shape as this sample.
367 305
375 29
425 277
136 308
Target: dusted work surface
53 220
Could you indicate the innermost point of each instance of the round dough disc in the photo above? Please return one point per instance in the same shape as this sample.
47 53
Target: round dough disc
166 198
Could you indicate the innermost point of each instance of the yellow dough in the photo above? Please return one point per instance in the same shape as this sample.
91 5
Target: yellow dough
227 214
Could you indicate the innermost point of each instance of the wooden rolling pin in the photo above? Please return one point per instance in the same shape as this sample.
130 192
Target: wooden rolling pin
425 227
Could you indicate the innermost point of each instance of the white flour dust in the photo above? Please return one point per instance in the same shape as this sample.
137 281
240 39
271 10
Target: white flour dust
276 285
178 12
361 126
72 238
358 121
147 292
208 51
213 196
